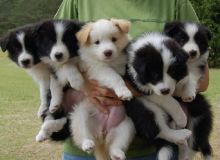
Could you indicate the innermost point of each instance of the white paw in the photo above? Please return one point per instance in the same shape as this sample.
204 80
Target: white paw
188 96
42 136
117 155
181 136
181 120
88 145
77 84
41 110
124 93
54 108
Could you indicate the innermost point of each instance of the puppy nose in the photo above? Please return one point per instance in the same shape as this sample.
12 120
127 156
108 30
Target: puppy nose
59 55
165 91
108 53
193 53
26 62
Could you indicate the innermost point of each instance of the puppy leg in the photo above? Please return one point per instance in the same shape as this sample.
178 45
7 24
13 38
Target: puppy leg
80 126
118 143
74 77
172 107
56 94
113 80
175 136
165 153
48 127
44 92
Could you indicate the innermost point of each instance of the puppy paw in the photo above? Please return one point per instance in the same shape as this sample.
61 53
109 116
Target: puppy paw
41 110
181 136
124 93
54 108
117 155
42 136
188 96
88 146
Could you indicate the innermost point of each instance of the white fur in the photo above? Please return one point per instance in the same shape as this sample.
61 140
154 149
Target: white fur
106 70
165 153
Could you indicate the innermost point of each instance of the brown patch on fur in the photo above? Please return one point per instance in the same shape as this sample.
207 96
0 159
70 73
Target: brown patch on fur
123 25
83 34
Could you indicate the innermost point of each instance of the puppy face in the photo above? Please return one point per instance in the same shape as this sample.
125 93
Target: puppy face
191 36
57 41
156 61
104 39
21 47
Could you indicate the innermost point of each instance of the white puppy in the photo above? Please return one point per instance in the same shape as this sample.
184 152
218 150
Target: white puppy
102 58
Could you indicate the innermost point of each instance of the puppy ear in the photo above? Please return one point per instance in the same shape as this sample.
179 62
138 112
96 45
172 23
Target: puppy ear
171 28
4 43
207 32
83 35
123 25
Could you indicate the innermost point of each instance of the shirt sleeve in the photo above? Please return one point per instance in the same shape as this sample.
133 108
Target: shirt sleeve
185 11
67 10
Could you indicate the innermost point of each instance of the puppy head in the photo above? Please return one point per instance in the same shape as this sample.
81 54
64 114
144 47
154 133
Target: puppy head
21 47
56 40
104 39
152 63
192 37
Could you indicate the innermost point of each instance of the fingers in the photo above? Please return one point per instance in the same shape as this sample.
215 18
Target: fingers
97 103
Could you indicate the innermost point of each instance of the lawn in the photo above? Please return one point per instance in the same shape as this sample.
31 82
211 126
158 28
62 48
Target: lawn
19 124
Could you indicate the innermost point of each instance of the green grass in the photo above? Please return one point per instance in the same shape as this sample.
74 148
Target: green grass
19 101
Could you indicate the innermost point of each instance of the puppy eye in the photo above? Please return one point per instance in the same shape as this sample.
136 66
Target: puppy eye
114 39
97 42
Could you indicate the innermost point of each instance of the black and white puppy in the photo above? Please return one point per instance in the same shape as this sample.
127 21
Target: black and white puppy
155 64
22 50
58 47
194 39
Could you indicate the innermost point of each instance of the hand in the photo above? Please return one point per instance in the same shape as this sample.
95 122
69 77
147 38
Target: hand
102 97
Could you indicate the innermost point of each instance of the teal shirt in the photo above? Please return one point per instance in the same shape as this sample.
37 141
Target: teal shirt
145 15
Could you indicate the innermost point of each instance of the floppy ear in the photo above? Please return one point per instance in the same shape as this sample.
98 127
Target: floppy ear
123 25
171 28
207 32
4 43
83 35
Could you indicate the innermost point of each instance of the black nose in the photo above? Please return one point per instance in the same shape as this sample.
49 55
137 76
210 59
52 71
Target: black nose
193 53
26 62
108 53
165 91
59 55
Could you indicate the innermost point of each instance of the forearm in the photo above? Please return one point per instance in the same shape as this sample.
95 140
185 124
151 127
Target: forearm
204 82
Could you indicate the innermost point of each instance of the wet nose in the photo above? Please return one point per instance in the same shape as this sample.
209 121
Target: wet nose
165 91
26 62
193 53
59 55
108 53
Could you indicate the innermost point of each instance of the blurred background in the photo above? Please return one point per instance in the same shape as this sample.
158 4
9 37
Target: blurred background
19 95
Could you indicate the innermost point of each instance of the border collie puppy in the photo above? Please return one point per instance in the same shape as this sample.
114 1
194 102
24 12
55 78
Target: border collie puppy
22 50
155 64
101 45
193 38
58 47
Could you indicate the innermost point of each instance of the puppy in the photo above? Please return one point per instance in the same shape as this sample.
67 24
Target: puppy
193 38
58 47
101 45
155 64
22 50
